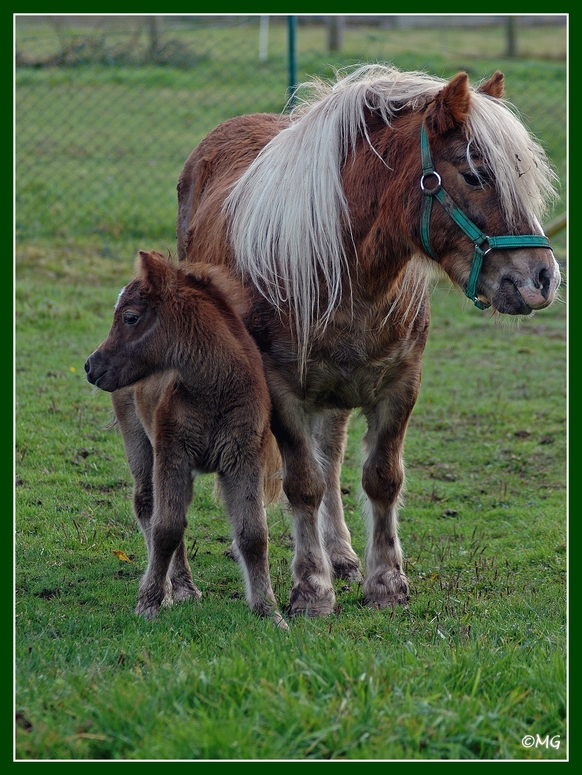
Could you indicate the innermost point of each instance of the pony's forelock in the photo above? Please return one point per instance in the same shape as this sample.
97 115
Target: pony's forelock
526 186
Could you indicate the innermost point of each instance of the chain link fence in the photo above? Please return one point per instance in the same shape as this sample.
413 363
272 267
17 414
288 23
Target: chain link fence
109 108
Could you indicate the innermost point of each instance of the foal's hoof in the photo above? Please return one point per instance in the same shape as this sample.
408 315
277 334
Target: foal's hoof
148 610
185 590
151 598
279 622
385 590
307 601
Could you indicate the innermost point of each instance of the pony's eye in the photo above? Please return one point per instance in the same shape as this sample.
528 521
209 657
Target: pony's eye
471 179
475 181
130 318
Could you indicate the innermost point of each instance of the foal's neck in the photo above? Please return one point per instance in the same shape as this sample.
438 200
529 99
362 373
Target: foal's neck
197 348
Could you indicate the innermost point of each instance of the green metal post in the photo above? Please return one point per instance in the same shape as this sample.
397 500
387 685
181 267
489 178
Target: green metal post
292 81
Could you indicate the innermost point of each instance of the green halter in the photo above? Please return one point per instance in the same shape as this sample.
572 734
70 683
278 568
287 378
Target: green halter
475 234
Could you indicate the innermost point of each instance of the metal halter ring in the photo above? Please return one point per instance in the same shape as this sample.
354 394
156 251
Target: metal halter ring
479 246
431 191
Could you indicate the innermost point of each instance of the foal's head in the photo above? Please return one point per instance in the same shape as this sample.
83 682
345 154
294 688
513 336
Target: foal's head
145 326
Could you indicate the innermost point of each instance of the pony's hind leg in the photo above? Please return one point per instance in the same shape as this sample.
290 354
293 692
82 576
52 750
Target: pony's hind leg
140 457
180 574
331 436
304 486
243 500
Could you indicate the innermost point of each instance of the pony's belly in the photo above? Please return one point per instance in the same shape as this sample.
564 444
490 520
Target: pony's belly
330 384
345 388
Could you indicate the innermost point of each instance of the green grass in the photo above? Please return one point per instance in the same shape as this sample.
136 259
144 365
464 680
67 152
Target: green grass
474 663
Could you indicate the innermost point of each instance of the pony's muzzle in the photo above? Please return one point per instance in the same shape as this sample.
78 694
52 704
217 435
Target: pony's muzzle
95 368
516 296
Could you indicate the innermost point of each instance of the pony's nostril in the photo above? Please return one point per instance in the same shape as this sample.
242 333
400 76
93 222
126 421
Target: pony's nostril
543 282
87 366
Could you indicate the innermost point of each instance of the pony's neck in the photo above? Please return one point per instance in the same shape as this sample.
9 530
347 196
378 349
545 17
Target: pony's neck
196 345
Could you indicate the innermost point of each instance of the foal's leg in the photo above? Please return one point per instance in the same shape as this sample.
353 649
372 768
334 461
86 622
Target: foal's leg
331 436
140 457
383 476
180 574
304 486
242 493
172 495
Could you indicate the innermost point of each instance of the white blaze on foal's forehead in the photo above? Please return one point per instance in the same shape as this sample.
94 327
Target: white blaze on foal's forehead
121 292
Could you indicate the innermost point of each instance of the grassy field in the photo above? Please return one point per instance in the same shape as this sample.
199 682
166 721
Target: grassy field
474 668
474 663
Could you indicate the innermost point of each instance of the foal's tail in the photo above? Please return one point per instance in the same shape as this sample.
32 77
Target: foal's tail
272 482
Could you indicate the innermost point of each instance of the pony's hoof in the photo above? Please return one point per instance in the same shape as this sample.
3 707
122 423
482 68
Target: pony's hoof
147 610
346 568
385 590
279 622
185 591
308 602
151 598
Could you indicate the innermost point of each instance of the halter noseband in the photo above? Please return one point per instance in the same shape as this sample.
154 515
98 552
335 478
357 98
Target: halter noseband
471 230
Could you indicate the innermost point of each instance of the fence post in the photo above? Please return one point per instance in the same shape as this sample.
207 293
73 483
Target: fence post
335 32
155 26
511 33
292 64
264 38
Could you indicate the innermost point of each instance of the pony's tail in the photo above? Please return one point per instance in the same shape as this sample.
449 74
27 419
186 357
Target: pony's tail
272 482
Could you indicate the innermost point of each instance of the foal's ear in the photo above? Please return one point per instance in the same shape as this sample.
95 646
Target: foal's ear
154 271
494 87
449 108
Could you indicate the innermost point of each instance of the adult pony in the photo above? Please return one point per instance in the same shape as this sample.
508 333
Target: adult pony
333 217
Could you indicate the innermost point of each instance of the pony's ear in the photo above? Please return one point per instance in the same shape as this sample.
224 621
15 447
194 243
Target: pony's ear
154 271
494 87
449 108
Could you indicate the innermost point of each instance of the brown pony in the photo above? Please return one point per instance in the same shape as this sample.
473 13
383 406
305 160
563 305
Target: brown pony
334 217
190 396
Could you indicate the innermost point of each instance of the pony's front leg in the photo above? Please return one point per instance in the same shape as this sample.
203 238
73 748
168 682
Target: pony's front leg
304 486
172 495
243 498
385 583
331 436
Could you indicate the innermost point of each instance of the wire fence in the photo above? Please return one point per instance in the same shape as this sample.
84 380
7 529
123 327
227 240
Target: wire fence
109 108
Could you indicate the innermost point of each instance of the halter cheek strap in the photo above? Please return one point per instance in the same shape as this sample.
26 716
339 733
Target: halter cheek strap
483 244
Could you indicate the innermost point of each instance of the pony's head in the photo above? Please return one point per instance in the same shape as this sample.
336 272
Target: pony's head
160 316
136 345
491 183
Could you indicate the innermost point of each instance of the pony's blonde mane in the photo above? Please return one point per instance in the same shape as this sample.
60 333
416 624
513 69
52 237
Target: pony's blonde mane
288 213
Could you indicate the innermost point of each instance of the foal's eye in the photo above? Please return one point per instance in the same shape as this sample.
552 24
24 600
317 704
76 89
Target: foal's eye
130 318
